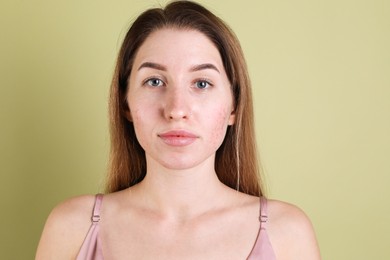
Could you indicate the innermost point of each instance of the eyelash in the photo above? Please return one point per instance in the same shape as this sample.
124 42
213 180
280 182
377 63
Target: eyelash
148 82
209 84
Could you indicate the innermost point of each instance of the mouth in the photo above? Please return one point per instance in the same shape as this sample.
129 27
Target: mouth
178 138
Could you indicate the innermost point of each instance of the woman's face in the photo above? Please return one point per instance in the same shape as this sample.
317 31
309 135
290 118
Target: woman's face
179 98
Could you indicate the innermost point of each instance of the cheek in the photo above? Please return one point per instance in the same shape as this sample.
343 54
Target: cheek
219 123
140 127
136 119
139 110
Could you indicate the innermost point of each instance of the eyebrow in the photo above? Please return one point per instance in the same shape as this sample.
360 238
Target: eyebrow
157 66
152 65
204 67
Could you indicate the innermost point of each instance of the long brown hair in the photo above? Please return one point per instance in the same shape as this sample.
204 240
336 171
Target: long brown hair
236 162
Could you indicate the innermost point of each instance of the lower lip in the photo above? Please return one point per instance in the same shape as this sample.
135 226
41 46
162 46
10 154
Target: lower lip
178 140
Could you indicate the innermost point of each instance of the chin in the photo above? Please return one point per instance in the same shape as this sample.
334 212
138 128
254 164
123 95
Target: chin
177 164
183 161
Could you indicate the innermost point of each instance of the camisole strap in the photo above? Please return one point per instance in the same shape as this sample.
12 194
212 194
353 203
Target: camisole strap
262 249
96 208
91 248
263 216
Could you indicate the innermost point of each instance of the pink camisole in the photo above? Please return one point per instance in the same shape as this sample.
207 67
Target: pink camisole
91 248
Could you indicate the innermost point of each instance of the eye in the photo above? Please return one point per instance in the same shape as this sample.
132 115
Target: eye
154 82
202 84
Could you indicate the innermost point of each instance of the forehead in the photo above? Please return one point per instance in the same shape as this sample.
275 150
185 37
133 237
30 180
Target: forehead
171 44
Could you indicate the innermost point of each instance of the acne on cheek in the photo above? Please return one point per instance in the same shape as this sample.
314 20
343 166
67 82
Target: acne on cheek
220 125
136 119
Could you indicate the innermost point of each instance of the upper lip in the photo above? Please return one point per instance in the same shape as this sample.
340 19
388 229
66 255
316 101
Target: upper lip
177 133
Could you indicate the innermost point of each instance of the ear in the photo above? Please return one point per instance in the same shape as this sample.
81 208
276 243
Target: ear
232 118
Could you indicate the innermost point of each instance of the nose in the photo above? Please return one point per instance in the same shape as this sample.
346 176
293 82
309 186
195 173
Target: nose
176 104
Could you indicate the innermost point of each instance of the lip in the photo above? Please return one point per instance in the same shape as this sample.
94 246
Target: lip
178 137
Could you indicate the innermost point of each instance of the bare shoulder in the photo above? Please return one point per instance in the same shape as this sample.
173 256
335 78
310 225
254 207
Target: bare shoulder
66 228
291 232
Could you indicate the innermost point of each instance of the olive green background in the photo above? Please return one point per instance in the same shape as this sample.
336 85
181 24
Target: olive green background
321 78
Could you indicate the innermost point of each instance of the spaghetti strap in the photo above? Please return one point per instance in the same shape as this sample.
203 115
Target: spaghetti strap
262 249
263 216
91 248
96 209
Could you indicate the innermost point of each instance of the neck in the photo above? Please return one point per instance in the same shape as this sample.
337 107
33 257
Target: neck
182 194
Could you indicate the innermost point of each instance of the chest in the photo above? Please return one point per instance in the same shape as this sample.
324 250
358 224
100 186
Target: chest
220 238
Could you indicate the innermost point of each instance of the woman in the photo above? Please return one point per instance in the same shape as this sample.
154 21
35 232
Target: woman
184 180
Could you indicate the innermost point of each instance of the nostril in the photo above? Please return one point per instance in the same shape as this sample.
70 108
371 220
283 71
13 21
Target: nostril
178 114
176 105
177 111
